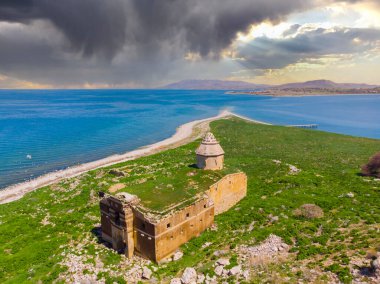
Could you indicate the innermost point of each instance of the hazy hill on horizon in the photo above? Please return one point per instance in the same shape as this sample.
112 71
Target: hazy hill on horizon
325 84
213 85
241 85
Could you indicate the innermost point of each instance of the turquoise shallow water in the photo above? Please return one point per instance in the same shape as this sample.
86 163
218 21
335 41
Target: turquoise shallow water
47 130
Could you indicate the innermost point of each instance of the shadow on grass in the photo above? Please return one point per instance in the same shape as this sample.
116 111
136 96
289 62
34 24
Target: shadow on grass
194 166
97 232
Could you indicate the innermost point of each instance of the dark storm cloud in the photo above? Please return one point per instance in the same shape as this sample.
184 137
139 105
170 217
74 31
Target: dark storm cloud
270 53
98 26
91 26
140 40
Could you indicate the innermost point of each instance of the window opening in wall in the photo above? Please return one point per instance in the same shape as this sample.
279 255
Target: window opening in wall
117 218
168 225
143 226
204 206
187 215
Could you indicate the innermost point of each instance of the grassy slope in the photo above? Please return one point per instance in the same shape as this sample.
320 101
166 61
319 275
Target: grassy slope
30 251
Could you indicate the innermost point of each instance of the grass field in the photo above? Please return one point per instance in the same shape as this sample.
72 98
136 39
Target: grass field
46 226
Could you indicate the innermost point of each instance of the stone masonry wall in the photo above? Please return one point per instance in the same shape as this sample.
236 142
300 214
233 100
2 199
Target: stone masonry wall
177 229
228 191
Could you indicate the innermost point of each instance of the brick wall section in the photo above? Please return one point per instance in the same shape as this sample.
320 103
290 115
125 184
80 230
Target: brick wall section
228 191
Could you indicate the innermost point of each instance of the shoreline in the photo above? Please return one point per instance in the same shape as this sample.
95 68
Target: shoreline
184 134
295 95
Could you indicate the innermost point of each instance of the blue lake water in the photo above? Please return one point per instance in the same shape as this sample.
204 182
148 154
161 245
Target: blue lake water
46 130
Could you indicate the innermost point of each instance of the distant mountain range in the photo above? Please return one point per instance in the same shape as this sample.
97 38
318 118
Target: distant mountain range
241 85
213 85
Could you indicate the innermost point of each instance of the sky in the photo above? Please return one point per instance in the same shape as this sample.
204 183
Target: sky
150 43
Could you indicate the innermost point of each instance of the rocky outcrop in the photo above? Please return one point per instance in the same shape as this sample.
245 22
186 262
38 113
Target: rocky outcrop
268 250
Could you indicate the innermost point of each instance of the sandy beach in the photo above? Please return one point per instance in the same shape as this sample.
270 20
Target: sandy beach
184 134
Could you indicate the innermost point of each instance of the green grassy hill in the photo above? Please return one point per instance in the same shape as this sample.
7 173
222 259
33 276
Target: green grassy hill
59 223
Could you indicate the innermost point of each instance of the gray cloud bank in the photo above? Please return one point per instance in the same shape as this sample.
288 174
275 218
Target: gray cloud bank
273 53
119 41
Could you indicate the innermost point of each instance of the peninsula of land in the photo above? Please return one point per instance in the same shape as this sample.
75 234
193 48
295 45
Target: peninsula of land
301 92
184 134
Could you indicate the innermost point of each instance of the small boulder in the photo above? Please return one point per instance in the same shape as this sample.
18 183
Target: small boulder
375 264
223 261
246 274
218 270
189 275
220 252
147 273
175 281
235 270
178 255
201 278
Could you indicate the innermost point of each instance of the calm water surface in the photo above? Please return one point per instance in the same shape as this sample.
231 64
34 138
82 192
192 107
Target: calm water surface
46 130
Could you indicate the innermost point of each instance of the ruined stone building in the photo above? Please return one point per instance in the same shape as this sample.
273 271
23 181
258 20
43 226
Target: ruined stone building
132 228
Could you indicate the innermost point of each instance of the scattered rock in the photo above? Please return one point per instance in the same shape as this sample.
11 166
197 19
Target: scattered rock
223 261
201 278
147 273
246 274
277 162
350 195
272 218
214 227
175 281
235 270
178 255
375 264
218 270
293 170
207 244
270 248
189 275
220 252
309 211
251 226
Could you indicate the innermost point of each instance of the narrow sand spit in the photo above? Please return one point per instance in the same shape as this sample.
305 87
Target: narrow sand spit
184 134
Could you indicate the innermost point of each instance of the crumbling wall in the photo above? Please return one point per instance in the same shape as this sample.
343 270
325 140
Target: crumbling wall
228 191
144 236
182 226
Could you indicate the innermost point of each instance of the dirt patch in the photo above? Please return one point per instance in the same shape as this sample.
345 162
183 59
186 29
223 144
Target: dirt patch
116 187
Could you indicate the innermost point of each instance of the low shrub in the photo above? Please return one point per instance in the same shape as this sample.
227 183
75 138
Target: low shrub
309 211
373 167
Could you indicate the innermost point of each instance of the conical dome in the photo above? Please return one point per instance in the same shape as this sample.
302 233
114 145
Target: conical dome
209 146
